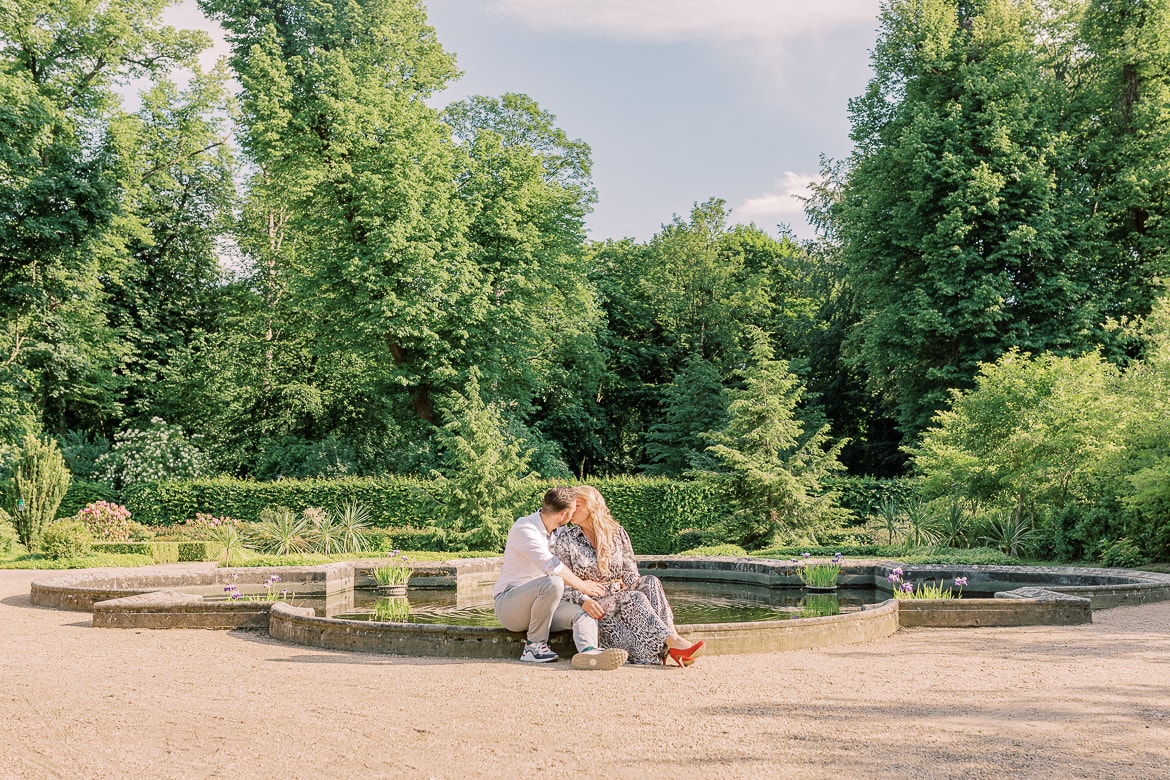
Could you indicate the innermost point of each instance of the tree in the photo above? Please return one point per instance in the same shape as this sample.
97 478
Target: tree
484 475
357 170
1032 440
952 220
693 404
526 187
169 289
34 489
66 166
768 464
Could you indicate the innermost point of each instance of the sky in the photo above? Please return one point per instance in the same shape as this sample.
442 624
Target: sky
680 100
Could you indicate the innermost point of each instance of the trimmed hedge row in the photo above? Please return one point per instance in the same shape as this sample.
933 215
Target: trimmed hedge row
81 493
159 552
863 495
661 515
653 510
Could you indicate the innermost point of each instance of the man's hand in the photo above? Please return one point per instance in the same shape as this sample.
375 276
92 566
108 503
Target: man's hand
592 609
592 589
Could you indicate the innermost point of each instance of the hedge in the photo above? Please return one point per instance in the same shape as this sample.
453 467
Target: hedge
653 510
863 495
661 515
159 552
81 493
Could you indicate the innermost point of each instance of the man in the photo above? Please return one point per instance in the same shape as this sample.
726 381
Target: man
528 592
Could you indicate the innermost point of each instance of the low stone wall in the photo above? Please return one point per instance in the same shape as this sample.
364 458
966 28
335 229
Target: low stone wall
121 598
298 625
975 613
171 609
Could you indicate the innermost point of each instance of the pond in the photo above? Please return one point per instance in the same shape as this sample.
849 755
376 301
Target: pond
693 603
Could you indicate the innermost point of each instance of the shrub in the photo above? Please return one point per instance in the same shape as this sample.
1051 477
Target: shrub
652 509
66 539
484 476
161 451
203 527
280 532
726 550
107 522
82 492
195 551
1122 554
35 488
8 538
159 552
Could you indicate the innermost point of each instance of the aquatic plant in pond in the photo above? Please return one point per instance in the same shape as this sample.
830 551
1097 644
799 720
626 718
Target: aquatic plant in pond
392 610
820 605
820 575
270 592
395 573
925 590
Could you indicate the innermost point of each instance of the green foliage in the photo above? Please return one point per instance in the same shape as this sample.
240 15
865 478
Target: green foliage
396 572
161 451
81 451
725 550
694 403
227 544
280 532
483 481
67 215
82 492
385 540
652 510
970 218
353 522
195 551
974 556
34 488
8 537
1009 534
770 467
66 539
158 552
864 496
1122 553
820 575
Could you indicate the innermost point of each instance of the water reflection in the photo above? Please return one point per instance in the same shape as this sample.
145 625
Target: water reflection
693 602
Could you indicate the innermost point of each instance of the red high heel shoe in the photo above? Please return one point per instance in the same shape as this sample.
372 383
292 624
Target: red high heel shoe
684 656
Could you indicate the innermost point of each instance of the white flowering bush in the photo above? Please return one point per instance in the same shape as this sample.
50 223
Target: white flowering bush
160 452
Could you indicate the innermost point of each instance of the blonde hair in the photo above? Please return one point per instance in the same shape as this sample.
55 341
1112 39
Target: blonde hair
605 528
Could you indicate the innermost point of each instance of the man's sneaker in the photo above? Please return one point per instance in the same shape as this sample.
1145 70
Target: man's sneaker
601 660
538 653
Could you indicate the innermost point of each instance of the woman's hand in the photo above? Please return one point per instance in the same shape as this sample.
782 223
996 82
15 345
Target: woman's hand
593 609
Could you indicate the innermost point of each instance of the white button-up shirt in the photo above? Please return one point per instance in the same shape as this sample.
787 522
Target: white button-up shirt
526 554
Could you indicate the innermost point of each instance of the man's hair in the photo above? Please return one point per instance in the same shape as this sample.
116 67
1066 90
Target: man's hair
559 499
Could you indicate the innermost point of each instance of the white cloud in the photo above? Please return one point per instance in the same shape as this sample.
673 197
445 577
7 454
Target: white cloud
669 21
781 204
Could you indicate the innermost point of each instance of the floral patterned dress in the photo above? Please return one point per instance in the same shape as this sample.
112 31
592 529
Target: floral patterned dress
637 616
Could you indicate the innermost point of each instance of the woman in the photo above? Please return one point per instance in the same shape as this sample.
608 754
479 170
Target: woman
633 614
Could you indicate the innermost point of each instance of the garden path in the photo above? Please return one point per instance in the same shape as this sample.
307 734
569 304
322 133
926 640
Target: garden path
1047 702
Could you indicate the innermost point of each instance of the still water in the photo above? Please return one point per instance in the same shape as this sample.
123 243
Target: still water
693 602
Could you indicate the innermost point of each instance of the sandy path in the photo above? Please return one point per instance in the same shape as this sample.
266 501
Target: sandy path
1085 701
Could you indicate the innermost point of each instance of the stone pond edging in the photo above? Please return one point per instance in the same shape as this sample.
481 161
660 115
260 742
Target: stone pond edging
121 598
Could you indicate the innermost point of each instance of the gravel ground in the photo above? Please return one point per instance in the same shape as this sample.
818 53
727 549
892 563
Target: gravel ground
1076 702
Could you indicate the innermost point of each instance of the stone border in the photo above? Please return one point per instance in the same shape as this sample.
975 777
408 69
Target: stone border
121 598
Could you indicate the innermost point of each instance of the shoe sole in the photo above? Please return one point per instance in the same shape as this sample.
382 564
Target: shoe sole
604 661
531 660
